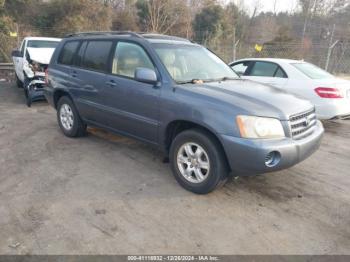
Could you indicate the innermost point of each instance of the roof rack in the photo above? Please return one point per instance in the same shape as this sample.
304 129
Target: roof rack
164 37
104 33
138 35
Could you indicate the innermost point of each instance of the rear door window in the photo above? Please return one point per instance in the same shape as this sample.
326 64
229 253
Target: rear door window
267 69
67 53
263 69
80 54
96 56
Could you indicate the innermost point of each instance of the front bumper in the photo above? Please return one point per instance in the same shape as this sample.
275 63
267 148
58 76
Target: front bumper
35 89
248 156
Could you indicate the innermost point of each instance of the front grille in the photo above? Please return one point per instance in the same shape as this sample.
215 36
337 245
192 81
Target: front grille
303 125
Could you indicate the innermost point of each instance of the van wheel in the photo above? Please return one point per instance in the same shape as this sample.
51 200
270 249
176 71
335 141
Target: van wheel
197 161
28 98
19 83
69 119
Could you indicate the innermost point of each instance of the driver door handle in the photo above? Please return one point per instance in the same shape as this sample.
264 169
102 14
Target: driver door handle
74 74
112 83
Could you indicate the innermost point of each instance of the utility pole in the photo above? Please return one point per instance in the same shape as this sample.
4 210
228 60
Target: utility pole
306 22
17 32
274 7
330 48
235 44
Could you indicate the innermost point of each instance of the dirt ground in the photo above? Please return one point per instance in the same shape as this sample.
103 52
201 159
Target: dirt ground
105 194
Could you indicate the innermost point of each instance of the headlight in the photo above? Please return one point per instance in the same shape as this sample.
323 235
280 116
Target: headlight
260 127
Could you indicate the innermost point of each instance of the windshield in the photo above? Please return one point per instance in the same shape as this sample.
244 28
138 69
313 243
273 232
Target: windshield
312 71
42 44
186 63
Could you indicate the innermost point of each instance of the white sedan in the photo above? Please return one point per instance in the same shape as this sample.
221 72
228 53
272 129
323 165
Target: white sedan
330 95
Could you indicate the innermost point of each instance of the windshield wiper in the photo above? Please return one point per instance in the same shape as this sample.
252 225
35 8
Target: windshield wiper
201 81
226 78
192 81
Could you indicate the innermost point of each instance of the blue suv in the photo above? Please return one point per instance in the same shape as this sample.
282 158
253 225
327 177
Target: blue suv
183 99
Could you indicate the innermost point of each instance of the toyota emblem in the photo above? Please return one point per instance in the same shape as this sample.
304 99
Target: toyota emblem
307 121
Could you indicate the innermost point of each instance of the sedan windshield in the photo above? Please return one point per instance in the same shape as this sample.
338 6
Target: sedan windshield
42 44
191 63
312 71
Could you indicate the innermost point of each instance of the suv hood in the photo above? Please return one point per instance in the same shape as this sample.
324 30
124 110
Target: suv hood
253 98
41 55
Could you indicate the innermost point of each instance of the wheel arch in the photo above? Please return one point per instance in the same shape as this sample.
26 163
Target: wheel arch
58 94
177 126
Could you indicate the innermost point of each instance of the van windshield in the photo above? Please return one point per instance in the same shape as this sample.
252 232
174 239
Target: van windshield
42 44
187 63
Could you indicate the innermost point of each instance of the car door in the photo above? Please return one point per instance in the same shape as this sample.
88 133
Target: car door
88 79
267 73
18 61
133 106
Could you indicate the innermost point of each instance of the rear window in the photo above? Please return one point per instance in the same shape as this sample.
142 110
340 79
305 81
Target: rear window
96 55
312 71
67 53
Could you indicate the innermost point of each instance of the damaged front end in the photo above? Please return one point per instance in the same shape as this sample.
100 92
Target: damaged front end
34 68
34 81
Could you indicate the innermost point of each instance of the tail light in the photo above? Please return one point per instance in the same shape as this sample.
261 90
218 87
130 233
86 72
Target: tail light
46 76
328 92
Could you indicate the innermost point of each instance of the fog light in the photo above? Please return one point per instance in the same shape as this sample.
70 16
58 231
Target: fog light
272 159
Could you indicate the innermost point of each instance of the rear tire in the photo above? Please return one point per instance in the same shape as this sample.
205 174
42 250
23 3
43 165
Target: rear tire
197 161
68 118
19 83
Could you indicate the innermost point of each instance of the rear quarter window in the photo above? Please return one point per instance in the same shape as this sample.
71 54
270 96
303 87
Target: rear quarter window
67 53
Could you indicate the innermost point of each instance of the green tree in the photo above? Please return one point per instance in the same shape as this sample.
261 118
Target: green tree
61 17
161 16
208 22
125 15
7 25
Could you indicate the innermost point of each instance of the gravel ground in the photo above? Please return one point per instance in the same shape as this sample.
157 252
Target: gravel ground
105 194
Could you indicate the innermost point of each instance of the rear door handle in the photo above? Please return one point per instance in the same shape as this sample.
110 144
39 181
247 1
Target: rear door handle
112 83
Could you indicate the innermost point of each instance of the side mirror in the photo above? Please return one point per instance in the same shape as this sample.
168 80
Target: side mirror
145 75
16 53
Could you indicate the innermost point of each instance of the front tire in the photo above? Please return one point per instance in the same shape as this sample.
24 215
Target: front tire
68 118
197 161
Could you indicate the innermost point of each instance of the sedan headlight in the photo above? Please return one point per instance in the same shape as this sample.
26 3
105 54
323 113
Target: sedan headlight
260 127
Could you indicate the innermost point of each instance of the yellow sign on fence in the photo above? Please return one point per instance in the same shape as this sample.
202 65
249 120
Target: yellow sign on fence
13 34
258 48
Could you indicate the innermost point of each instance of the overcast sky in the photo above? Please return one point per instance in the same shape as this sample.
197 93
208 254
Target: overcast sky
268 5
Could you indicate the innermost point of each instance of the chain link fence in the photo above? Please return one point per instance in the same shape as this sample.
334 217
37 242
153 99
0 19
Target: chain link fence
338 56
